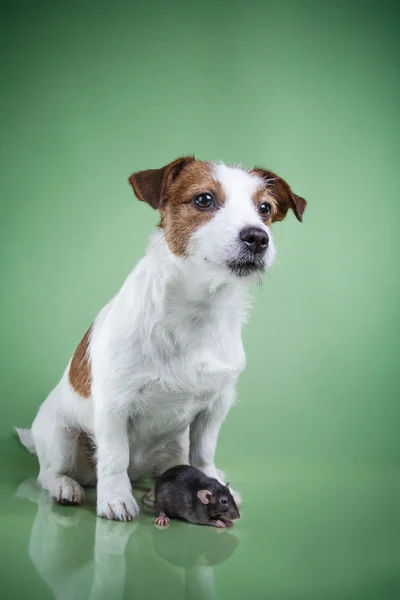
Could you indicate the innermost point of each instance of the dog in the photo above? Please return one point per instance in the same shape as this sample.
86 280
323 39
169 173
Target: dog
154 377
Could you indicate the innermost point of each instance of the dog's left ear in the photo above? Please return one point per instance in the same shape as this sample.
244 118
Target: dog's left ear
150 186
283 194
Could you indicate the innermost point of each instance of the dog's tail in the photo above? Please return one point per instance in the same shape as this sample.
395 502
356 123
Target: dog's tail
26 439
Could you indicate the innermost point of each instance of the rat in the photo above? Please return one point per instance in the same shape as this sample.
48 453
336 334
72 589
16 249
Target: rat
184 492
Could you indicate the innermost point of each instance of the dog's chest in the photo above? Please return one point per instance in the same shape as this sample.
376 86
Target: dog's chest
184 383
189 357
193 355
197 374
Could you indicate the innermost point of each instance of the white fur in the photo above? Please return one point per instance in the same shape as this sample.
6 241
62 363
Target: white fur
165 355
56 538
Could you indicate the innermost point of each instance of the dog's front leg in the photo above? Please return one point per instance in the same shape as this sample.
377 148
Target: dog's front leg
114 492
204 432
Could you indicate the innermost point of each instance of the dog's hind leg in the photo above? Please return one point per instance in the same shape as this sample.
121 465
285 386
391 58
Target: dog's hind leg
57 457
57 448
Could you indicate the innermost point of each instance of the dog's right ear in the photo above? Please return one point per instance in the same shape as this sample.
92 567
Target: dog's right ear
150 186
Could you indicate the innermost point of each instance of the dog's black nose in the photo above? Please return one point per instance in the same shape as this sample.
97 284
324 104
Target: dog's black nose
256 239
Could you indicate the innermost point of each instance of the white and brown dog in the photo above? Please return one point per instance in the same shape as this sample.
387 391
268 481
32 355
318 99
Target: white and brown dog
154 377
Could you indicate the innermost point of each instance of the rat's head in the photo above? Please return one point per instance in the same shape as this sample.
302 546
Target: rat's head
219 501
218 214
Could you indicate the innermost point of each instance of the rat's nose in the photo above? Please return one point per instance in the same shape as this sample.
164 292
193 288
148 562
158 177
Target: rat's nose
235 514
255 239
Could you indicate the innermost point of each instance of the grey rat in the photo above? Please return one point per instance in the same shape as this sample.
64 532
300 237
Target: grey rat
184 492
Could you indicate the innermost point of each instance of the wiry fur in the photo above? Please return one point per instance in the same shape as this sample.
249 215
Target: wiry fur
165 354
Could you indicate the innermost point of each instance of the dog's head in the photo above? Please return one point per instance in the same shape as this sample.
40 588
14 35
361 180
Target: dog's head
218 213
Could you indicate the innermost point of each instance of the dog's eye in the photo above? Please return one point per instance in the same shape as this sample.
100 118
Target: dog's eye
265 209
224 501
204 200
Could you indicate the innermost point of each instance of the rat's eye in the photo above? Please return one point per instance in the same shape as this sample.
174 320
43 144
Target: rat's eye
265 209
224 501
203 201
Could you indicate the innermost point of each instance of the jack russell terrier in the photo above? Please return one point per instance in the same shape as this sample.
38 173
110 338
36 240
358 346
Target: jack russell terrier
154 377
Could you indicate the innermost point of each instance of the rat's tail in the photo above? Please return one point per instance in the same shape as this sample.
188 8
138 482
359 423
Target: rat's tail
26 439
146 498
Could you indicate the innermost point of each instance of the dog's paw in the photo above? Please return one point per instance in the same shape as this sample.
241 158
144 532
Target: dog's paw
121 508
65 490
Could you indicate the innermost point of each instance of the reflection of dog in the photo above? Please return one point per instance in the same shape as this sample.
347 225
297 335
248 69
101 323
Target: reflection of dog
61 549
160 363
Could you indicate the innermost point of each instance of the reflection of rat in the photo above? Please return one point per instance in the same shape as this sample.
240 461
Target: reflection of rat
187 548
184 492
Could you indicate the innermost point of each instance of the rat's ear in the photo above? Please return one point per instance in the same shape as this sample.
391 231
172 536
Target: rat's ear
150 186
205 496
283 194
227 485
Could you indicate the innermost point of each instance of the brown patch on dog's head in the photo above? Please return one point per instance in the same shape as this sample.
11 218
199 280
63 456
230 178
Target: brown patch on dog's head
151 185
279 194
80 374
179 217
172 190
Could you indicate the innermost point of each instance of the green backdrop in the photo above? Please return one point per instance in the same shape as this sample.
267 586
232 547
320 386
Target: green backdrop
92 91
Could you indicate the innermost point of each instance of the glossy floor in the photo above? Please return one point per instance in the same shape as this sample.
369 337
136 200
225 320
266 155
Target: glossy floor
307 531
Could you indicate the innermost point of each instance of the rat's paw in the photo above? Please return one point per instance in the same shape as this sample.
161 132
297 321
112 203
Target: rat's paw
122 508
161 522
228 522
220 524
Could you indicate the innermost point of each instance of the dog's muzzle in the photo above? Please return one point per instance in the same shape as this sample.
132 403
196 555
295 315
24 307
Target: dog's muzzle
253 246
254 240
